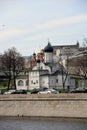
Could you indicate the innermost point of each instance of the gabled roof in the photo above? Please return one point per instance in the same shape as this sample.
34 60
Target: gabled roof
22 77
2 73
65 46
50 64
58 72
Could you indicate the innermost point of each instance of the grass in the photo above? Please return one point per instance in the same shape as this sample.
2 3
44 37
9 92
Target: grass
4 90
4 84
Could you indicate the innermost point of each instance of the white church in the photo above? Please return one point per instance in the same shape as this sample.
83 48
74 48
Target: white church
46 73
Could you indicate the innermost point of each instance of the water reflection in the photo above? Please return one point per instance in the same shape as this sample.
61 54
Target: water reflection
27 124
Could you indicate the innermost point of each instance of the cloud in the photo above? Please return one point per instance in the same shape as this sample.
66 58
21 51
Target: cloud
62 22
11 33
46 35
35 31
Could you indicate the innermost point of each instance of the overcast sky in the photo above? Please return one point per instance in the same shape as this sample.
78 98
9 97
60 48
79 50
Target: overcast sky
28 24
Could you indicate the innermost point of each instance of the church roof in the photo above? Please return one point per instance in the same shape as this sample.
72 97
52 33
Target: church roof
22 77
40 51
34 54
48 48
66 46
52 64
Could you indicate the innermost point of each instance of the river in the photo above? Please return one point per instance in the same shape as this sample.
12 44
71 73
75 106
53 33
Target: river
33 124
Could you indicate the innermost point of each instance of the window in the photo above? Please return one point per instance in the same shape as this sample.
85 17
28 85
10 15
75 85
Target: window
20 83
56 80
52 81
27 82
36 81
31 81
41 67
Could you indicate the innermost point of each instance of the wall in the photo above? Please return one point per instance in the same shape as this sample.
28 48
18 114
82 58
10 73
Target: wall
24 86
72 83
82 83
52 81
44 81
60 84
34 79
58 105
48 57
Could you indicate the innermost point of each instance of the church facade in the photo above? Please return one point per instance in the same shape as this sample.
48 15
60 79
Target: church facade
46 72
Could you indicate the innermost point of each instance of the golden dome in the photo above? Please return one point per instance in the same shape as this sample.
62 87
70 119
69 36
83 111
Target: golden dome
40 51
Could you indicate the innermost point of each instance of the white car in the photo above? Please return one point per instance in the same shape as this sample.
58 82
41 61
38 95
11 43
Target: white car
9 92
48 91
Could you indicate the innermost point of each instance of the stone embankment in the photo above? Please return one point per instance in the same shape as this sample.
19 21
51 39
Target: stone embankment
41 105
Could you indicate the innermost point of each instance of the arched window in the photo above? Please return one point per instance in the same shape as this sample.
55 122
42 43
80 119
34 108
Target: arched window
27 82
20 83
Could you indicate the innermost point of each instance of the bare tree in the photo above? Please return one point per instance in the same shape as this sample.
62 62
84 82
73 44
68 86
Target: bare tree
12 61
1 67
85 43
6 62
64 69
82 60
79 65
83 64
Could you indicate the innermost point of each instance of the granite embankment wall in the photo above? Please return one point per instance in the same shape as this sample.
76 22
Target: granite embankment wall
58 105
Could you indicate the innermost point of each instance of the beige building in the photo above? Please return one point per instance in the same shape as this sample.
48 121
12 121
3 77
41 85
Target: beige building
66 49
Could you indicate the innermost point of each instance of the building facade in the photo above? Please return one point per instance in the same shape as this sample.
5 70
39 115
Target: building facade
46 73
64 50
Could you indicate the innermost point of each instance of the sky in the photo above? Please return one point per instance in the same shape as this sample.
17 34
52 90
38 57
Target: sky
27 25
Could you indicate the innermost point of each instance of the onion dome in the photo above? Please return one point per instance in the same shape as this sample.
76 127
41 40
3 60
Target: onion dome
40 52
34 54
48 48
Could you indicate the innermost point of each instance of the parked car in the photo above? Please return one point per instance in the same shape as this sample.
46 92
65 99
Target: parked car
9 92
1 92
34 91
19 92
48 91
79 90
37 90
72 90
85 90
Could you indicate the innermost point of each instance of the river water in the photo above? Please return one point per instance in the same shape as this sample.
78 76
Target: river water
32 124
